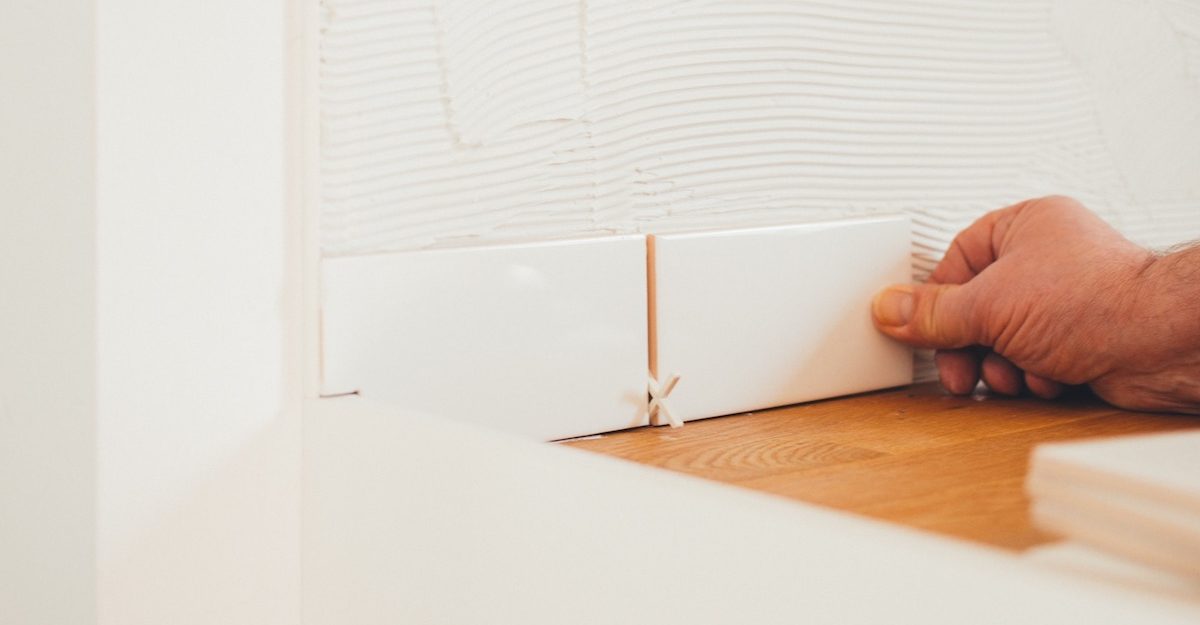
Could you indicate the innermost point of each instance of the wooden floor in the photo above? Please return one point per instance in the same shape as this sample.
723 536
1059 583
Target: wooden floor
913 456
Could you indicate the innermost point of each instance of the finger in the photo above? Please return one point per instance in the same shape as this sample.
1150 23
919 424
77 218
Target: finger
1043 387
942 316
969 253
1000 375
973 249
958 370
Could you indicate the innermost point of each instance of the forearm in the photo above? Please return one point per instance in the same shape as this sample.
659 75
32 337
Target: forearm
1162 337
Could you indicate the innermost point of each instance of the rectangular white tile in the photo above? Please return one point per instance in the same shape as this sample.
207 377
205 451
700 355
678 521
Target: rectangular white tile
1136 497
1164 468
547 340
1107 569
764 317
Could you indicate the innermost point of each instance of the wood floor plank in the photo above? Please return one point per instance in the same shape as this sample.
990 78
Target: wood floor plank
913 456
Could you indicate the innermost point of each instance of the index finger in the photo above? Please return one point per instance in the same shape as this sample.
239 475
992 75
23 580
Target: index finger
973 249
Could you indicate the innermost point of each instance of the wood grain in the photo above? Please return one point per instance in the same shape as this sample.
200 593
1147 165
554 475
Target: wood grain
914 456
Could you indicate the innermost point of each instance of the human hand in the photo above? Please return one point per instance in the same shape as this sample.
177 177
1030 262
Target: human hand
1045 293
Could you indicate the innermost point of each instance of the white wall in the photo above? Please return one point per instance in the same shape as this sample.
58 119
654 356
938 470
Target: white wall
150 318
447 123
47 304
198 422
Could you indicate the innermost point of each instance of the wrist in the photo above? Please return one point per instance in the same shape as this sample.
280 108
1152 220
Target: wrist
1164 301
1126 300
1156 361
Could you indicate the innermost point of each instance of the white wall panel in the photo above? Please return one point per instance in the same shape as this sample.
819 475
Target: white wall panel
47 312
198 403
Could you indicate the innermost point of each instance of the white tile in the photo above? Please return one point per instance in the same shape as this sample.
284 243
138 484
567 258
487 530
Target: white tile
547 340
764 317
1102 567
1164 467
1133 496
1166 542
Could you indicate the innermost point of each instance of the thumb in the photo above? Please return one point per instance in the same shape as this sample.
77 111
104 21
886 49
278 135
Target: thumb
941 316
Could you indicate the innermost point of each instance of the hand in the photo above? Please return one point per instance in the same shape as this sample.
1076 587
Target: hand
1045 293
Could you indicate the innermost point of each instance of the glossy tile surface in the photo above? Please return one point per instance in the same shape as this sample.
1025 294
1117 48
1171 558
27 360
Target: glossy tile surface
765 317
545 340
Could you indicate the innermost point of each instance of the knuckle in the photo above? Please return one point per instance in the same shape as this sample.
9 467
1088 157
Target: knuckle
1056 203
927 310
936 320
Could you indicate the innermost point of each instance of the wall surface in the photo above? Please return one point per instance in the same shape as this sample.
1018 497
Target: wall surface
447 122
47 320
198 416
